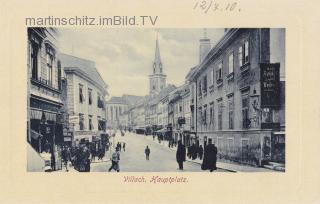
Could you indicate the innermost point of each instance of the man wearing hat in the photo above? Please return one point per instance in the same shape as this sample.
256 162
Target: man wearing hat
210 157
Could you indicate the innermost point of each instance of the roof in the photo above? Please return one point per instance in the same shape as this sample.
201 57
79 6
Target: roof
163 93
125 99
70 63
215 50
116 99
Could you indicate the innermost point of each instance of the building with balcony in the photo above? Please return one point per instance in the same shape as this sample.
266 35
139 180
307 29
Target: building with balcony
236 95
44 93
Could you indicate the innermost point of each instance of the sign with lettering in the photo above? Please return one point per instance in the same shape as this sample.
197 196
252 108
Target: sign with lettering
74 119
270 85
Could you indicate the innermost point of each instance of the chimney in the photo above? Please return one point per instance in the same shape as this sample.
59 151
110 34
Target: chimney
205 46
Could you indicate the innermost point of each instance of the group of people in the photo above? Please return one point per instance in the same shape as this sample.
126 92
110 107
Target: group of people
195 152
209 154
81 158
209 159
115 157
119 146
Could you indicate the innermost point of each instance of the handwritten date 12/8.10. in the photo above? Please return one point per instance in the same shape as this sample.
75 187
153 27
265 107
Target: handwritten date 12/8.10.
206 6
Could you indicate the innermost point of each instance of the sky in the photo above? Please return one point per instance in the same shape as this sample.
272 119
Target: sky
124 56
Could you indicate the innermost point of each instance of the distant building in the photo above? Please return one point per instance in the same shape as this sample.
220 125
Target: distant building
117 111
153 104
137 116
86 92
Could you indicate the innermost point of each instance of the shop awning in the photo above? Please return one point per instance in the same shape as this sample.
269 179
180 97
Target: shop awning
35 135
162 130
35 114
279 133
50 116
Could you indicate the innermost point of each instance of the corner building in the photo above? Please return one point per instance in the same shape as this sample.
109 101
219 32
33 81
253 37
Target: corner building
86 92
236 96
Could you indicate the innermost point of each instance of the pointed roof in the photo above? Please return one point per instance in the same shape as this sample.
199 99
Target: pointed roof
157 58
87 67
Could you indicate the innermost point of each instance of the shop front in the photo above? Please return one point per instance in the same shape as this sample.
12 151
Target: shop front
46 134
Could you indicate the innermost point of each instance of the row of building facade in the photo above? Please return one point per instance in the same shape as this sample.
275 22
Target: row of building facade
66 99
234 96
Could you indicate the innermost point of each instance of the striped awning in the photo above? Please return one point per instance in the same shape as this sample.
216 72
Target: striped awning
35 114
50 116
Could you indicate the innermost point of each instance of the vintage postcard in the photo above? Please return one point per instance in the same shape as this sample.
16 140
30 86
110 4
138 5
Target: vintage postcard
146 100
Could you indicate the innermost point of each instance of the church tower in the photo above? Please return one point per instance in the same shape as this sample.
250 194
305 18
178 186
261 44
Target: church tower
157 78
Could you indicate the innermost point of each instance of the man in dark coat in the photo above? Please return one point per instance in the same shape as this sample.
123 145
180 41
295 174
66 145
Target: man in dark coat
200 152
147 152
181 154
210 157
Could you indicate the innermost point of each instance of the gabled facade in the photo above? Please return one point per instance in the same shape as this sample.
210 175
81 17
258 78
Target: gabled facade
86 92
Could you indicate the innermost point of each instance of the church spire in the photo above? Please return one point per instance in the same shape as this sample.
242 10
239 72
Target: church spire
157 58
157 78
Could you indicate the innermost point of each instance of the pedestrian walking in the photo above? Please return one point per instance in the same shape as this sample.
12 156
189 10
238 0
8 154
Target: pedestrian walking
210 157
115 158
200 152
194 151
147 152
66 156
181 154
124 146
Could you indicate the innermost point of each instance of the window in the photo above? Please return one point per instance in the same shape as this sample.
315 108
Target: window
240 56
219 73
230 144
100 103
245 111
90 123
200 90
50 60
246 52
231 110
230 60
211 77
244 149
204 84
205 115
212 114
81 97
243 53
200 115
34 58
220 115
81 121
111 111
90 96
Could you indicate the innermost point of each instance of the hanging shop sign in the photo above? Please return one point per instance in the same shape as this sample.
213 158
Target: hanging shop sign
270 85
74 119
